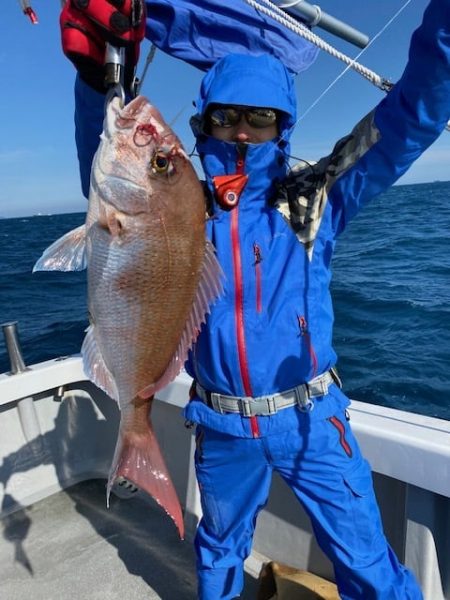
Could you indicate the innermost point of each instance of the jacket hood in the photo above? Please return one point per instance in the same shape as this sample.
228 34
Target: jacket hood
260 80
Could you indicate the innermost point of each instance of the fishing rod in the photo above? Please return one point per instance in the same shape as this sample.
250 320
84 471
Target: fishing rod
28 11
114 60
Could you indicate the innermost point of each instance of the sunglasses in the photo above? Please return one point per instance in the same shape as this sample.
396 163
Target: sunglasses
228 116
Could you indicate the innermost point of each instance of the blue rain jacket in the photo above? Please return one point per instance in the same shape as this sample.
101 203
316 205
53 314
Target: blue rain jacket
272 328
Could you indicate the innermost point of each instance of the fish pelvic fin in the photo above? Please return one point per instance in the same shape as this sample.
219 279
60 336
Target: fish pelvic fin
138 459
68 253
94 366
210 287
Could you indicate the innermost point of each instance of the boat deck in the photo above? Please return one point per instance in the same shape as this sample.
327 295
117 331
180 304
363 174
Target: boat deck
58 429
70 546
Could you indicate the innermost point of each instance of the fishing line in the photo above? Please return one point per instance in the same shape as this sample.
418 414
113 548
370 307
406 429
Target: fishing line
148 61
309 164
382 83
349 66
278 14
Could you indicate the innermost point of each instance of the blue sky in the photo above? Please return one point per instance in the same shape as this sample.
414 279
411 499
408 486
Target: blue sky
38 165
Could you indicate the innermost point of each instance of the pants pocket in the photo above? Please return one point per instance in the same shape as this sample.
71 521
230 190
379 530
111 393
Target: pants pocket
366 520
212 519
199 435
359 480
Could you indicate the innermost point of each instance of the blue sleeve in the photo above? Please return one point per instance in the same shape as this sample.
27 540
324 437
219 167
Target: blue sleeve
202 31
89 111
405 123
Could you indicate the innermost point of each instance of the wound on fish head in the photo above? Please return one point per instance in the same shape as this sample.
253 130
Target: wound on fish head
144 134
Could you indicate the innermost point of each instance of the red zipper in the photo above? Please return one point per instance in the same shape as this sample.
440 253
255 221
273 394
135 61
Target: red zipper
239 305
307 337
258 259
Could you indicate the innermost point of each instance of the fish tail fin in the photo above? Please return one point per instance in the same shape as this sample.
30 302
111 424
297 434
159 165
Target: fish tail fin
138 459
68 253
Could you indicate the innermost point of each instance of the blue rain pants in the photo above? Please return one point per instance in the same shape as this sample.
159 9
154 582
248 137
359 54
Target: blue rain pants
323 465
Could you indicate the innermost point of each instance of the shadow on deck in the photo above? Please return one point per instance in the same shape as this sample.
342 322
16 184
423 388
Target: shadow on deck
70 546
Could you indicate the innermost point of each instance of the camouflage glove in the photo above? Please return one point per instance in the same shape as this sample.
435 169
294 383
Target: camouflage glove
86 27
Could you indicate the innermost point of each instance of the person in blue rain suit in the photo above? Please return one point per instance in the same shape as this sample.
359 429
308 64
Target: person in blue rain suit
266 395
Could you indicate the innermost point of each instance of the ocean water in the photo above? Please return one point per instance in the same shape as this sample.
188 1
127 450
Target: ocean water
391 284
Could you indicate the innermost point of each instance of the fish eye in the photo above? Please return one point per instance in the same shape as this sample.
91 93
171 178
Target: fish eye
160 163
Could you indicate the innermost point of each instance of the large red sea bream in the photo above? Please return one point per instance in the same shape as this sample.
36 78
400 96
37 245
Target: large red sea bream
151 278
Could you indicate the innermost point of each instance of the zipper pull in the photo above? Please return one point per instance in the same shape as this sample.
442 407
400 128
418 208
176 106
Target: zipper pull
303 325
257 253
240 159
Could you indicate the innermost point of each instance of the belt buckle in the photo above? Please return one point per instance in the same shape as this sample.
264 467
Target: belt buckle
271 405
246 406
216 404
304 402
263 406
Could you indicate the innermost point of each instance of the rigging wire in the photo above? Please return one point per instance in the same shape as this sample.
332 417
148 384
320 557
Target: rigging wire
387 84
275 12
278 14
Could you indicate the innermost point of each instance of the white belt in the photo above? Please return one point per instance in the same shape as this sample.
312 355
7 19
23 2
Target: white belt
271 403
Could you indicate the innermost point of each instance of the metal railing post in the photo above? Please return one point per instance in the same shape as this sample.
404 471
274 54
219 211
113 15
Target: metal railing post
27 411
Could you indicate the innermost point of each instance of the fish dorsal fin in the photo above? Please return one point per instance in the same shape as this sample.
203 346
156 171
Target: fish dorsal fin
94 365
68 253
209 289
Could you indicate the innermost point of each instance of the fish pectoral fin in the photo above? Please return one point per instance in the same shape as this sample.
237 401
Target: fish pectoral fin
68 253
95 367
139 460
210 287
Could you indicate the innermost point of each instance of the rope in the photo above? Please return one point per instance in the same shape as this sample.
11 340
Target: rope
275 12
278 14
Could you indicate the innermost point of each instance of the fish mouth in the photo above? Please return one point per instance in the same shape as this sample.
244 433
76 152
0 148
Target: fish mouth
132 109
145 124
141 115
